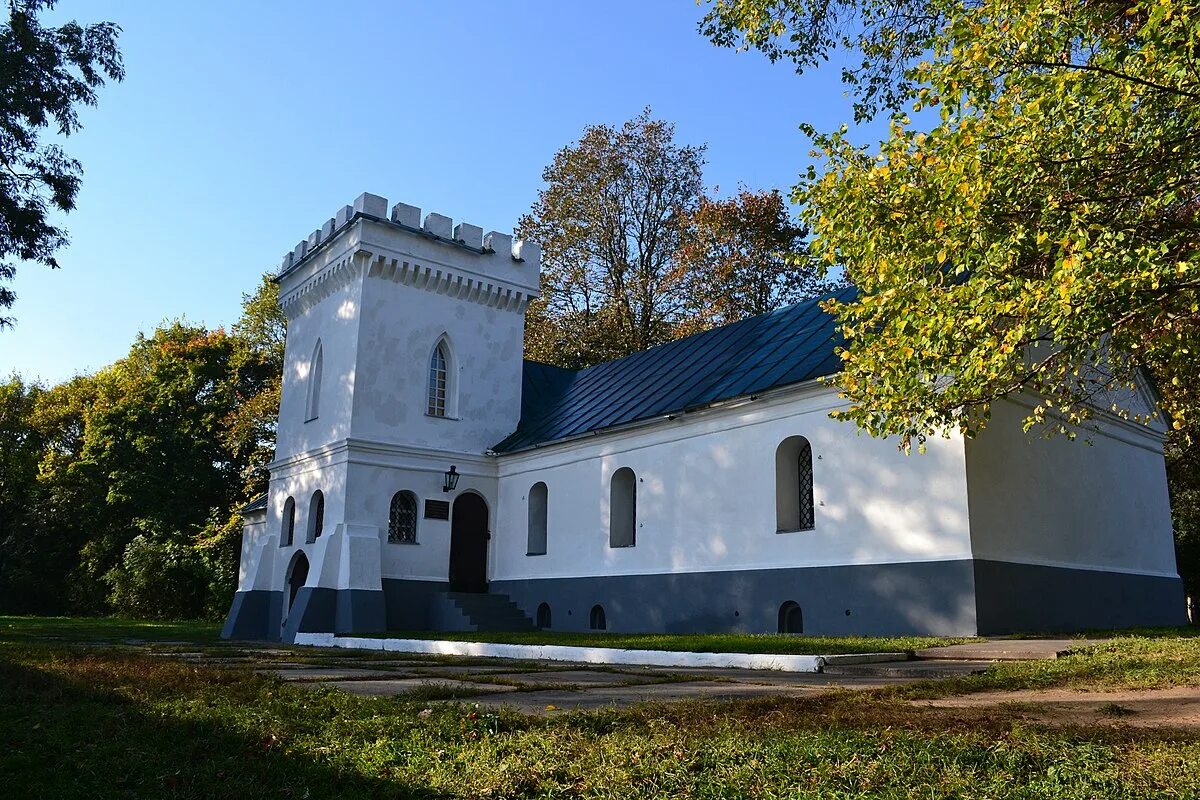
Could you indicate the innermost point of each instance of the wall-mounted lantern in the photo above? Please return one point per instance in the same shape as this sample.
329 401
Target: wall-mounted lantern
450 482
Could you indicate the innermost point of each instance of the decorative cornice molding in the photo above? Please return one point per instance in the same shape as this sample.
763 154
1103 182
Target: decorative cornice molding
446 281
321 284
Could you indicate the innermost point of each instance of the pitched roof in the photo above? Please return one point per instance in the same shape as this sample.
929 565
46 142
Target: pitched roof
787 346
257 504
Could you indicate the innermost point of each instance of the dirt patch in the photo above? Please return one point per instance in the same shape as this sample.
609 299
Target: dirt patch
1177 707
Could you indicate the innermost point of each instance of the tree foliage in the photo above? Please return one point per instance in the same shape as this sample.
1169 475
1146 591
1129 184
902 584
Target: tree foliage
885 36
122 487
608 224
46 74
1001 250
635 254
744 256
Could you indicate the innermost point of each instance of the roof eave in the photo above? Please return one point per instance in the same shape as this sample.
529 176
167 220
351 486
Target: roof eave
730 402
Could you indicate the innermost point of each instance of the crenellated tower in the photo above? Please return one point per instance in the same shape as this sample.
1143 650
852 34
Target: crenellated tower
403 357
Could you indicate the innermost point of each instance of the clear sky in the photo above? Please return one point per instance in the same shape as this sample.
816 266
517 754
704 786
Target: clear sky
242 126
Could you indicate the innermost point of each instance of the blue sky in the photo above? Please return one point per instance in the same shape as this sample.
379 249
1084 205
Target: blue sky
241 126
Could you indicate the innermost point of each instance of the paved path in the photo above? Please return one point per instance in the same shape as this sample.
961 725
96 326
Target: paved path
545 687
1008 649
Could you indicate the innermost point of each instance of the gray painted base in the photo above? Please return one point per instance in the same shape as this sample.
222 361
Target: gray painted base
939 598
318 610
421 606
919 598
254 615
1025 598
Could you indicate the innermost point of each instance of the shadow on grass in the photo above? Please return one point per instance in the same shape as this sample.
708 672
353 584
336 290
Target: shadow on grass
63 738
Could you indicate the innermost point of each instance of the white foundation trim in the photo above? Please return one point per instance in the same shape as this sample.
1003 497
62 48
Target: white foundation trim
595 655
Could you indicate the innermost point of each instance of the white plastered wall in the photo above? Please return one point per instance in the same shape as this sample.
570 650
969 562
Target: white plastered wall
257 554
401 326
1099 502
706 496
334 321
378 471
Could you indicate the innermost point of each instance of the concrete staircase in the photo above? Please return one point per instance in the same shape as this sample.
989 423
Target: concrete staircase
490 612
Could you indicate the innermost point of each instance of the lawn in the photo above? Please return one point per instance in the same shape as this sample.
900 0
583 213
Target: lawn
699 643
79 629
102 722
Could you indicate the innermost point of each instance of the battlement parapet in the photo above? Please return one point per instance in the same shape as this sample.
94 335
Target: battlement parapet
435 227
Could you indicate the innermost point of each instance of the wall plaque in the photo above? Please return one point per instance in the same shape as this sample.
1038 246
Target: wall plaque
437 509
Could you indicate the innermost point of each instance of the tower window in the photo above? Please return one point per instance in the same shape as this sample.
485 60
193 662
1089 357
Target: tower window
315 368
402 519
289 523
316 516
437 382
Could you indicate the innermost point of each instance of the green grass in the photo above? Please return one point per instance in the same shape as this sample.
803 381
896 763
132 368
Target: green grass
106 629
105 723
1122 662
97 722
698 643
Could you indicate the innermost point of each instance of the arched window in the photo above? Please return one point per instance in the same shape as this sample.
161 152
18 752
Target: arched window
794 509
289 523
402 520
543 616
316 515
315 368
791 619
439 381
622 509
597 620
537 520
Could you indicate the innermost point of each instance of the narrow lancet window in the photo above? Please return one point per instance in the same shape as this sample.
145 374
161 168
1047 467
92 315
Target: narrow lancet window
315 368
289 523
437 382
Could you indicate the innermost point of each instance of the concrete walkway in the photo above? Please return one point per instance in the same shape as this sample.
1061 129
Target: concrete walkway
1007 649
549 687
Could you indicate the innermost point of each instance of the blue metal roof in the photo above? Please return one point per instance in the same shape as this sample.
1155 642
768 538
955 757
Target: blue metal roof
257 504
790 345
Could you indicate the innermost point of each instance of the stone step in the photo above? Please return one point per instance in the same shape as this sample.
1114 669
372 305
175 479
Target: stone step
909 669
491 612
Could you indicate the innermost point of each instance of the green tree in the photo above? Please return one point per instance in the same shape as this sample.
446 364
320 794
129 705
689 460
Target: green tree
1002 251
882 39
122 489
46 75
608 223
248 433
744 256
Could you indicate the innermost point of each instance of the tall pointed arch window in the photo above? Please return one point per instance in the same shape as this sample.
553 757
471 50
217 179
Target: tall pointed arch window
315 369
438 382
288 532
794 507
402 519
316 516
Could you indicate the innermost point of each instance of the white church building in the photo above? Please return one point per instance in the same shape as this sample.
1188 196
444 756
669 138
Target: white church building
427 477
